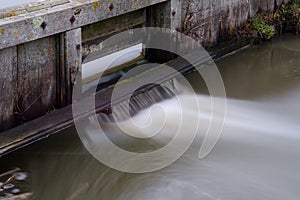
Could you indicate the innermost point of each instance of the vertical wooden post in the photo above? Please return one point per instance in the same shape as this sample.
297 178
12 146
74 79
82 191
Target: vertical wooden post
158 16
164 15
73 60
61 72
8 87
176 14
36 78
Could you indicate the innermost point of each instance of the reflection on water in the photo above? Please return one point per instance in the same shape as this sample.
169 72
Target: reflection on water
257 156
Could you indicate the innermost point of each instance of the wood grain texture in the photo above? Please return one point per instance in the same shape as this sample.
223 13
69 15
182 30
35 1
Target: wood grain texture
28 27
73 59
36 78
8 87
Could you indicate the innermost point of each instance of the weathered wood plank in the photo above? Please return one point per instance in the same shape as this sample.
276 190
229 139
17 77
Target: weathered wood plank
176 13
113 25
73 59
27 27
98 50
36 78
8 87
94 35
160 15
61 72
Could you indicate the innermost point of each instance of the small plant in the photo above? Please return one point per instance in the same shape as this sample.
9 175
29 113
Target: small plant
263 29
51 110
266 24
289 15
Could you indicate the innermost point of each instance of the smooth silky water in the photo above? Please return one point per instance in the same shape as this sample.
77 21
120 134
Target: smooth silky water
257 156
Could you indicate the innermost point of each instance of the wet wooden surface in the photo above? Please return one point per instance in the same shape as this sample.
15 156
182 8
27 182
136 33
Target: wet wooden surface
8 87
93 35
73 60
113 25
36 78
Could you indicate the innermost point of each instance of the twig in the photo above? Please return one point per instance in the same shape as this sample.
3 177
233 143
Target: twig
10 172
9 180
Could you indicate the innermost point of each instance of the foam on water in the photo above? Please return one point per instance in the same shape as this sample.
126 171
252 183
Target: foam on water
257 156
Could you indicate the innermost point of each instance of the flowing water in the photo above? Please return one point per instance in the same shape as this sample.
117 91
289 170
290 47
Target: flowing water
256 157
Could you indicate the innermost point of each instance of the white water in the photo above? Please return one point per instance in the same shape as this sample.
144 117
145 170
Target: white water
257 157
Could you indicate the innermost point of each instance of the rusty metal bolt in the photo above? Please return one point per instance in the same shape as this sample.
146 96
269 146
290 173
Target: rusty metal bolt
43 25
173 12
72 19
111 6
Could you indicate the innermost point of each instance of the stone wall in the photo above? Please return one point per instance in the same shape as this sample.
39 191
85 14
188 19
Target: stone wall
211 21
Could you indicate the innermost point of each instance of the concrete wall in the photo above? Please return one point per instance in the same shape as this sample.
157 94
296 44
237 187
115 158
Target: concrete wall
209 21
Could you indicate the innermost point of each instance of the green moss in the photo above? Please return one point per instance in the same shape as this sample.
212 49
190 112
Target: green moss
266 25
51 110
289 16
262 28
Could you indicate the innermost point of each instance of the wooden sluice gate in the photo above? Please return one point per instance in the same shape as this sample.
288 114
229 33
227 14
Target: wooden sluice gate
45 45
63 118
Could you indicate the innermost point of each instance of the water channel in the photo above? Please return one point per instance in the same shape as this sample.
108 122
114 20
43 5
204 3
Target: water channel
257 156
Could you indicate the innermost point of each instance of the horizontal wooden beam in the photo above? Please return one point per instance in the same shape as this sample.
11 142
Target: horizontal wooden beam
24 24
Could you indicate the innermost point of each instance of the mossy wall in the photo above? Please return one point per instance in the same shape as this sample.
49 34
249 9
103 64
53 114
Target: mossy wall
212 21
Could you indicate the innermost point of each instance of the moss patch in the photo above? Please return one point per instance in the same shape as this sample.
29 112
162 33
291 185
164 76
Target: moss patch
264 26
